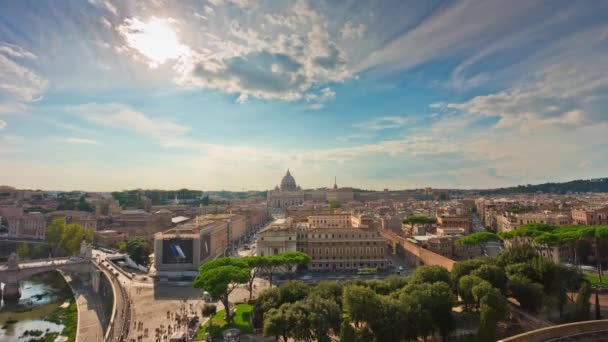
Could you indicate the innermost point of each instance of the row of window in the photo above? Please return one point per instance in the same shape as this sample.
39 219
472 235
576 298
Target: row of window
347 265
333 236
345 251
345 258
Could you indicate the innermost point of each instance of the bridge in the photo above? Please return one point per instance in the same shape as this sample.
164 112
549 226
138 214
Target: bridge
86 279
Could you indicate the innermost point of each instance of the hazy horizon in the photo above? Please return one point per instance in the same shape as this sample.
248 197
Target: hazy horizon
228 94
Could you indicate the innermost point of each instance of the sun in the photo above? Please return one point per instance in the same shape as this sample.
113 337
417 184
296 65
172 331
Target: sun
155 39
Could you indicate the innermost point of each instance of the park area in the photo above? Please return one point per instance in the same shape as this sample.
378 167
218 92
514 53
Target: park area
216 325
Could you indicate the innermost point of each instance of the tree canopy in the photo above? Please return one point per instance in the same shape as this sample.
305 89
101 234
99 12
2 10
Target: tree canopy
66 238
220 277
139 249
477 238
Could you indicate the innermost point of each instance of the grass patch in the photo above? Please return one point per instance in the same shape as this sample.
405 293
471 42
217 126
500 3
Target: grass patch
595 280
241 321
68 317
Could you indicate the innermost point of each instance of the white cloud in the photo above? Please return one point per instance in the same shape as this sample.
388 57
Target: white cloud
209 10
2 124
351 31
19 84
382 123
82 141
123 117
243 98
105 4
259 60
16 51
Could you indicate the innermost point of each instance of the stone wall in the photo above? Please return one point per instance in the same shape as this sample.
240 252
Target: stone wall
416 255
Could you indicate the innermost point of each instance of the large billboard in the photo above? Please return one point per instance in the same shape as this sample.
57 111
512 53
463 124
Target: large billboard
177 251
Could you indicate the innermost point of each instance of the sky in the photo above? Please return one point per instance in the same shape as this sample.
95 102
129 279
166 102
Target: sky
105 95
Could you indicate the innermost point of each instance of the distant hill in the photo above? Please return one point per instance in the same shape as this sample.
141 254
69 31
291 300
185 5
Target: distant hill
582 185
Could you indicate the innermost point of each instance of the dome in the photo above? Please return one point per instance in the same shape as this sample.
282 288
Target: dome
288 183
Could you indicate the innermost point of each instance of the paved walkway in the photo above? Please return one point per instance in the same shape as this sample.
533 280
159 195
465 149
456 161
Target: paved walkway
89 312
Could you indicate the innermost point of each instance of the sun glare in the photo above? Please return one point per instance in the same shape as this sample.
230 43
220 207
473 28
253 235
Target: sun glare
155 39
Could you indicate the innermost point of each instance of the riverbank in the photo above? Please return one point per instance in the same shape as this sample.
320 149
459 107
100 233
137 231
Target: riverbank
46 310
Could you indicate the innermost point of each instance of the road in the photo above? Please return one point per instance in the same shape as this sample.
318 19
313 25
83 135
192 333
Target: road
492 248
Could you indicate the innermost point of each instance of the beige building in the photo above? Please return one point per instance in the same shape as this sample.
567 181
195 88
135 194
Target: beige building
236 225
454 221
335 242
27 226
589 217
109 238
280 236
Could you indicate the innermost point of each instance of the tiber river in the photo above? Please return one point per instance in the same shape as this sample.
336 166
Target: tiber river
41 295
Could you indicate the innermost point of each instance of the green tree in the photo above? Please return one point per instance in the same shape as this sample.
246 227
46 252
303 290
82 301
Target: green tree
23 250
271 265
582 302
292 260
277 323
54 234
324 316
477 238
582 249
494 275
465 289
516 255
465 267
391 321
529 294
83 205
37 251
122 246
360 303
293 291
493 308
139 250
328 290
431 274
255 264
66 238
209 310
347 332
334 204
220 277
414 220
480 290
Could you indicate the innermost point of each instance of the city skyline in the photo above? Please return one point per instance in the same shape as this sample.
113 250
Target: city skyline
228 94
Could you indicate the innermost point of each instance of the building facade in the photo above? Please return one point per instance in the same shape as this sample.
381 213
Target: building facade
288 194
588 217
335 242
27 226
